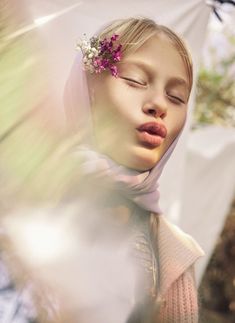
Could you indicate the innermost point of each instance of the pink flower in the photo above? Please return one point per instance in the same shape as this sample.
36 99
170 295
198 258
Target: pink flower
102 55
117 57
114 37
113 70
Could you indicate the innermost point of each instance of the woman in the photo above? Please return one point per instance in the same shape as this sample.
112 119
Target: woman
126 100
130 111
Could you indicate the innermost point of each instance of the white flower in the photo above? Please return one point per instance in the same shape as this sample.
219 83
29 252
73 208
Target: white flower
88 47
85 43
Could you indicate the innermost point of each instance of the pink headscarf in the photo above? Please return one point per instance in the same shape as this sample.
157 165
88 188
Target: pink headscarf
139 187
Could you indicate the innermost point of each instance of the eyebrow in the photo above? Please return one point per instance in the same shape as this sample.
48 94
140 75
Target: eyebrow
139 64
180 81
148 70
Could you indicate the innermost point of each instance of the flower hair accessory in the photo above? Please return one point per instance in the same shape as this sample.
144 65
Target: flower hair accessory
100 55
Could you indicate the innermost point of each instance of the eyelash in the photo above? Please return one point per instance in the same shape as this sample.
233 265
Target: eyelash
133 81
141 84
177 99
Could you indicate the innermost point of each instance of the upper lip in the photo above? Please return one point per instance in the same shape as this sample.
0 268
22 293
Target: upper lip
154 128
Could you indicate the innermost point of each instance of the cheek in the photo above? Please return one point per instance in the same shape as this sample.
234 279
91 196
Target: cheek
115 104
176 121
111 122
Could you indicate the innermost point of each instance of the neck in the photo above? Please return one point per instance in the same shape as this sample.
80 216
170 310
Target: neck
117 207
110 204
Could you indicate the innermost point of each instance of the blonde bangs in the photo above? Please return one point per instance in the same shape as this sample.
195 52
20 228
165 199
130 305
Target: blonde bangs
134 32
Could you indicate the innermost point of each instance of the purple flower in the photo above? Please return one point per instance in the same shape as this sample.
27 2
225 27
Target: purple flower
117 56
97 62
114 37
110 45
105 62
118 49
107 54
113 70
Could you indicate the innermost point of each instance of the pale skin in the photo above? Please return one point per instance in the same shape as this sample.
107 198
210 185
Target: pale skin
146 90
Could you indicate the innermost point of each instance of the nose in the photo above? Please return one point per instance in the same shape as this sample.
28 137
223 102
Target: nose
156 107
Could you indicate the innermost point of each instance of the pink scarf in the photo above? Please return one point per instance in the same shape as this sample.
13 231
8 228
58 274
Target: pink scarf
140 187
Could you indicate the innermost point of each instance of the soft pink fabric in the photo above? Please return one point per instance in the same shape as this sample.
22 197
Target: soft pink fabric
178 253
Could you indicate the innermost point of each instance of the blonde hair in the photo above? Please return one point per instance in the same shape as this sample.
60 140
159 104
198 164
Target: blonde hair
134 32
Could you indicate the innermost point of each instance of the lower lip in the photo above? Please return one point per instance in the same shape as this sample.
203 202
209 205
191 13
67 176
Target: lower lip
149 139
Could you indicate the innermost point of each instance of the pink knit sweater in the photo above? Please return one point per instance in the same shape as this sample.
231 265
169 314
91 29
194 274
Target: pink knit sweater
178 252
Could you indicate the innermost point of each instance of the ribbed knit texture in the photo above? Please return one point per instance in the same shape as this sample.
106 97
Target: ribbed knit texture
181 305
178 253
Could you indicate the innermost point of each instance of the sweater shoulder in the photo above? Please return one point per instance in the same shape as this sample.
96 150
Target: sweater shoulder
178 251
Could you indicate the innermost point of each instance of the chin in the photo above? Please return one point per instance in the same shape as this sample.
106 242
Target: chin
143 165
143 159
136 157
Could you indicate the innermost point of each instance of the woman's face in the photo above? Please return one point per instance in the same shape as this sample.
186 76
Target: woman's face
151 88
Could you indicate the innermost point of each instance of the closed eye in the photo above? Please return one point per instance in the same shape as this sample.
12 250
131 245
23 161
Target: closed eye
177 99
134 81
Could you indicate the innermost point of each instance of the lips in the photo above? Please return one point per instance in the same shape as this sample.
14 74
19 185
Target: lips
152 133
153 128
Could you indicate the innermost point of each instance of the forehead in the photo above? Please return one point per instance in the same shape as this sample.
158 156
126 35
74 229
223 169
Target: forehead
160 57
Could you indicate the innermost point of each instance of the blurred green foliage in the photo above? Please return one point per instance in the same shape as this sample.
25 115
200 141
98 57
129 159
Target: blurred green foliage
27 136
215 96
